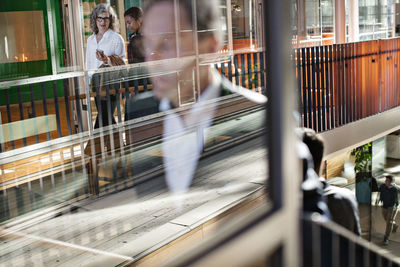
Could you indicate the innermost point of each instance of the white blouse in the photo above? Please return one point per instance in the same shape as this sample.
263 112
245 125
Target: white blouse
112 44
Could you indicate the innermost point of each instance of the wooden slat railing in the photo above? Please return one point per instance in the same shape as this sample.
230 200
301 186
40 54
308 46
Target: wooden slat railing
339 84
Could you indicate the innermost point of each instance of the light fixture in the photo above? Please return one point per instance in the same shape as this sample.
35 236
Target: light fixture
236 8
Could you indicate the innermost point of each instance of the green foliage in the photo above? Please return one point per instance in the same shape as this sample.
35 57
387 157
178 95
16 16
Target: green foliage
363 158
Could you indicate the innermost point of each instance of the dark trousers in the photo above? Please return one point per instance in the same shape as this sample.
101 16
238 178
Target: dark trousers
389 214
103 112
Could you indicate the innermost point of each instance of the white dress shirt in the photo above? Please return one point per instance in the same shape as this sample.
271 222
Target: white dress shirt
112 44
183 138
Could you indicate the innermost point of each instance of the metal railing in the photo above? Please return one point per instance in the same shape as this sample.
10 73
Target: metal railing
245 69
330 245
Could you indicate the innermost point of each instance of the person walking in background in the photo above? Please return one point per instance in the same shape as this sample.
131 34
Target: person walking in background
389 198
104 48
105 41
133 19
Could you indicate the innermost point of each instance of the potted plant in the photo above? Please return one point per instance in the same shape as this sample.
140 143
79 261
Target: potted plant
362 162
363 169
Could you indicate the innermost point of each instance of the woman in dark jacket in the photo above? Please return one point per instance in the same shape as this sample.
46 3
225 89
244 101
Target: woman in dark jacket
133 19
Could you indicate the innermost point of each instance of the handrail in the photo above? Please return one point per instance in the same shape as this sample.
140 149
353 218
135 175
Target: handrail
170 62
41 79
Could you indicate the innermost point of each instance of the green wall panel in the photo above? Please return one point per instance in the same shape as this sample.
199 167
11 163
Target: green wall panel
11 71
33 68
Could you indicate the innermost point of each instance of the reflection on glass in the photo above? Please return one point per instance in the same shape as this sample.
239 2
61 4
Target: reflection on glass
376 19
174 142
22 36
182 133
244 21
383 212
312 23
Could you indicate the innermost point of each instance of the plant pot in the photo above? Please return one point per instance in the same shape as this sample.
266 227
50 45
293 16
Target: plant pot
363 187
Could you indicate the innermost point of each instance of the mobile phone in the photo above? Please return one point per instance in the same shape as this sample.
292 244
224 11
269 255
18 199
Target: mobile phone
101 52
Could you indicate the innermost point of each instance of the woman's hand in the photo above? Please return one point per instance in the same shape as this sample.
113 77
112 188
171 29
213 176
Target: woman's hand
116 60
101 56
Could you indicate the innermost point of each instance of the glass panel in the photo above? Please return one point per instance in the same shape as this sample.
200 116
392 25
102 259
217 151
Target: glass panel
243 24
376 19
37 39
19 29
152 149
24 249
327 16
313 18
316 20
383 211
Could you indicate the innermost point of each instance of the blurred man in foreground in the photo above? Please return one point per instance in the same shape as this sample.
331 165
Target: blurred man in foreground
175 41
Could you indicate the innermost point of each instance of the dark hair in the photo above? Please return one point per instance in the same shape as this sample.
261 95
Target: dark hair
390 177
316 146
207 14
134 12
100 8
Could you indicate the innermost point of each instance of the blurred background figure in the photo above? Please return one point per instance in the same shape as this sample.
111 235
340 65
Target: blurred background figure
104 47
389 197
341 202
133 20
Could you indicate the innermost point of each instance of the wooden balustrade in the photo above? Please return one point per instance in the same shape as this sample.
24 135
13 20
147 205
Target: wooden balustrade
342 83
